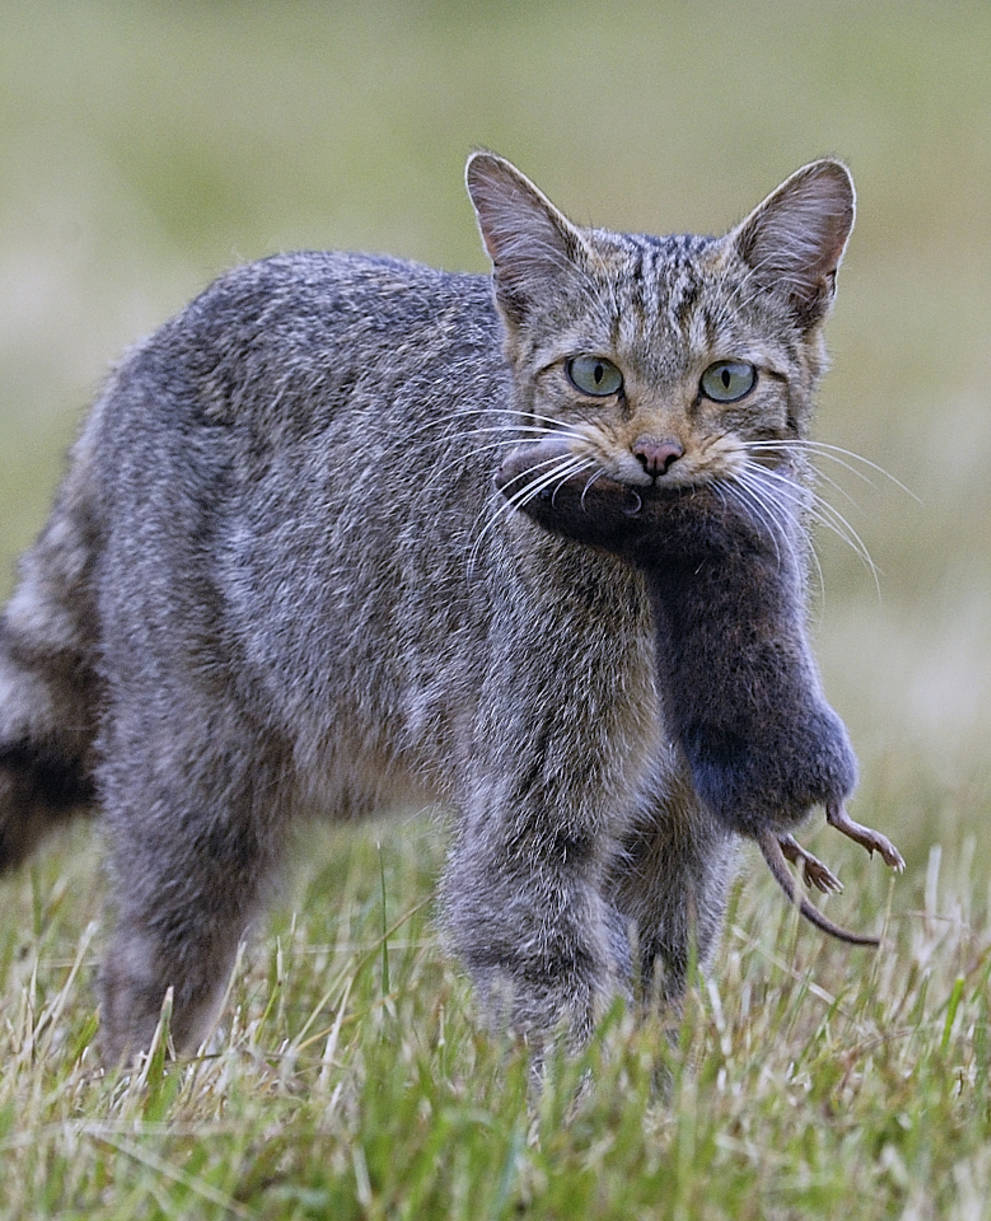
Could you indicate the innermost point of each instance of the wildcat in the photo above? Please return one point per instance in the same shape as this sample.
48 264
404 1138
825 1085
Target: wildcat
277 579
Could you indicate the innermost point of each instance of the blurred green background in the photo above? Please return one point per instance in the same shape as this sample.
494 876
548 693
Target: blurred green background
145 147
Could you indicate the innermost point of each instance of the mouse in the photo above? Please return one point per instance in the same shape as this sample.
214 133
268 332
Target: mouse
739 688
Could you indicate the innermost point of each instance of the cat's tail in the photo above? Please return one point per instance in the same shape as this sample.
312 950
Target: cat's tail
49 690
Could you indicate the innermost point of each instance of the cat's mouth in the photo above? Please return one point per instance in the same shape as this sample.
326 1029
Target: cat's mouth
539 469
662 463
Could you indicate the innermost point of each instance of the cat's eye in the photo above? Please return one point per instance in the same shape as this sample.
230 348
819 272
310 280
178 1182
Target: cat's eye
594 375
728 380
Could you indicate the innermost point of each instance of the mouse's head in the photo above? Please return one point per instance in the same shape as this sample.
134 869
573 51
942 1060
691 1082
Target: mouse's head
649 526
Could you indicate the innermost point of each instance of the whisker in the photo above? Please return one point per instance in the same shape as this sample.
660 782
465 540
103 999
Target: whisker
561 468
822 477
556 460
496 443
749 494
534 428
556 475
490 447
815 473
598 475
458 456
797 497
449 428
831 518
833 453
515 434
775 512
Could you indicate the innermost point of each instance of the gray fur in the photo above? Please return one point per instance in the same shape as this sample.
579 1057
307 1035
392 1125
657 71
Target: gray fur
738 684
277 579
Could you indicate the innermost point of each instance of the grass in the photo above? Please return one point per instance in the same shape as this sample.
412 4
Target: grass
145 148
351 1079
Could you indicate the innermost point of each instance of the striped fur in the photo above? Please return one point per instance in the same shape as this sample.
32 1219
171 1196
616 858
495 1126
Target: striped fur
278 580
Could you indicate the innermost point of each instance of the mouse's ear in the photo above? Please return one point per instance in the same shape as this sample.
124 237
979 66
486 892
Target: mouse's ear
533 246
795 239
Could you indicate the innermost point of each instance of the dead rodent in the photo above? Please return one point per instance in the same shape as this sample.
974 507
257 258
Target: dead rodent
739 687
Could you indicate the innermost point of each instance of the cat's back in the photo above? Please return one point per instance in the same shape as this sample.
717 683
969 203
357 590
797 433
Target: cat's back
338 362
321 312
310 320
293 465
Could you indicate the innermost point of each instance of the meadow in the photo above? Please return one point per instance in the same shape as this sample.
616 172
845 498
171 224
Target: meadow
147 147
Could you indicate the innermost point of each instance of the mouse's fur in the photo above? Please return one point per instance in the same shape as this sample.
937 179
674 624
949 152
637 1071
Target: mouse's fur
740 689
736 677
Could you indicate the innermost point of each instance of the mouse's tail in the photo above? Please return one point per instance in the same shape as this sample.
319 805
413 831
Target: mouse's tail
48 683
771 849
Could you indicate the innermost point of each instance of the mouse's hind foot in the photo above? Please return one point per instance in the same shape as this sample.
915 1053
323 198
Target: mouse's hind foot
814 872
867 837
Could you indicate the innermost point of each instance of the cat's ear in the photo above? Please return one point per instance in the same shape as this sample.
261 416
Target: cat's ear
531 244
795 239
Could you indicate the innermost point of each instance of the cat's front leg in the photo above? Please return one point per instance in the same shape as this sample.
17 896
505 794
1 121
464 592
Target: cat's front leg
523 905
669 881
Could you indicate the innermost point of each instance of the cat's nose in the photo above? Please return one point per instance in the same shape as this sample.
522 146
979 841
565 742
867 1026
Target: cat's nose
656 456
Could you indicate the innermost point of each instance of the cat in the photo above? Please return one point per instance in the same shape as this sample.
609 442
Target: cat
277 579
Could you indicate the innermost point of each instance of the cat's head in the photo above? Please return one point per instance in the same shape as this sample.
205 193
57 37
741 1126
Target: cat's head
672 360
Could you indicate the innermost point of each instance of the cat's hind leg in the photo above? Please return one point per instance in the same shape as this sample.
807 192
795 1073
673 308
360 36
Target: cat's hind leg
195 825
